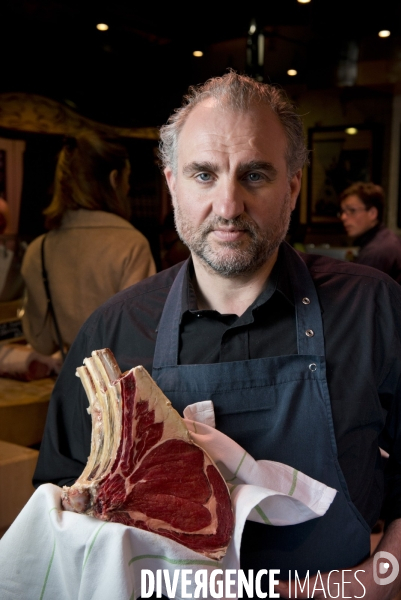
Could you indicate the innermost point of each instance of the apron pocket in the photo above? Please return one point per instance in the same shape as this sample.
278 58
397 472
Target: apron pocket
246 418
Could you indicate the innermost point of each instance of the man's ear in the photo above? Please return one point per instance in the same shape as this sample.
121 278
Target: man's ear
295 187
170 179
373 213
113 177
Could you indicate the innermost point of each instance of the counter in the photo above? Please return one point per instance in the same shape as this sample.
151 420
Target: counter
23 409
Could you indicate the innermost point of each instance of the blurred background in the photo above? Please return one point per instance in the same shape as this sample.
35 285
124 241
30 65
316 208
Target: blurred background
123 67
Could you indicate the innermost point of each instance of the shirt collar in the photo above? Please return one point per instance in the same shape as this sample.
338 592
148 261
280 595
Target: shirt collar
279 282
368 236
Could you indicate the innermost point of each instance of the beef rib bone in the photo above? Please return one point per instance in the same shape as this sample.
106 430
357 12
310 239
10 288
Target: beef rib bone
144 470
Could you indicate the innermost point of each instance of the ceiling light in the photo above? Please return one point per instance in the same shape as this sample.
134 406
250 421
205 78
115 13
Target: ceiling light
252 27
197 53
384 33
351 130
102 27
292 72
303 1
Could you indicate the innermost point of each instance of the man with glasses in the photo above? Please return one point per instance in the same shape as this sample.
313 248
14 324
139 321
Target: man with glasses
362 213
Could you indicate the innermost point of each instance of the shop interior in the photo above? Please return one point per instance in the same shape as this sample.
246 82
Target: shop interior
121 68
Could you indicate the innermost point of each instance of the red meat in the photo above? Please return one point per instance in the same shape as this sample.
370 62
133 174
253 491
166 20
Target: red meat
144 470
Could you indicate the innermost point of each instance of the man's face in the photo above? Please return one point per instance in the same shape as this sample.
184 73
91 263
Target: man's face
231 192
356 218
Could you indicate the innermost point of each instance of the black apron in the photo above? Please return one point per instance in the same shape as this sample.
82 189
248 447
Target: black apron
276 408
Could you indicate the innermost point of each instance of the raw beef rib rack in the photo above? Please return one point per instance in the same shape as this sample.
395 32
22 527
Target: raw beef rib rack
144 469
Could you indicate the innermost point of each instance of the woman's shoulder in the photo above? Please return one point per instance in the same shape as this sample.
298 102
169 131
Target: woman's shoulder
33 251
83 218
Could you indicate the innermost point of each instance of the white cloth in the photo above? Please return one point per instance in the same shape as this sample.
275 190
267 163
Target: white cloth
48 553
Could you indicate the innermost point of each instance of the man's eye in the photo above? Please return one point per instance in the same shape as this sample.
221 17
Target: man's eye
254 177
204 177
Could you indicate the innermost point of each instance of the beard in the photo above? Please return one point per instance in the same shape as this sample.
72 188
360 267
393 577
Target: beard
230 259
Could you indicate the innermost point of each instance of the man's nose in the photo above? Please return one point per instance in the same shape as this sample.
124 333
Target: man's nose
229 200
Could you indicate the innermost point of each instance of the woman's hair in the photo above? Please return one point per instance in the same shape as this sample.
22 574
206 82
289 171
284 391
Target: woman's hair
82 178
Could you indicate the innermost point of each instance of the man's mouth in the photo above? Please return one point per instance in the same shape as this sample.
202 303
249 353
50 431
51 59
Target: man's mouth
229 234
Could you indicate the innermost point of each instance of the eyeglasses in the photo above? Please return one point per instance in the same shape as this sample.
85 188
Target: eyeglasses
349 211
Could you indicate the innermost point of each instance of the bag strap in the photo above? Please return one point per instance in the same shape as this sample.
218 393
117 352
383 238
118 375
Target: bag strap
50 306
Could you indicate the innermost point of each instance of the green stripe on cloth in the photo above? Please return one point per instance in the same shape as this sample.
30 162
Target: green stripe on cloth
91 546
51 560
233 488
176 561
294 482
48 570
262 514
238 468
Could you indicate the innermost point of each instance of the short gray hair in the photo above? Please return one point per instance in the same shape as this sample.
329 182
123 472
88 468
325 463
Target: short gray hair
239 93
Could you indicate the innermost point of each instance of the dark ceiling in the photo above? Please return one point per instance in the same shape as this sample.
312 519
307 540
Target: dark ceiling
135 73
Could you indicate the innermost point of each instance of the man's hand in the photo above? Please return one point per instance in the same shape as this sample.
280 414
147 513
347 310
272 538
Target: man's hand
357 582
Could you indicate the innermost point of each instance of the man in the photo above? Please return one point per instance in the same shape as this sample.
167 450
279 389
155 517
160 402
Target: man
362 213
294 351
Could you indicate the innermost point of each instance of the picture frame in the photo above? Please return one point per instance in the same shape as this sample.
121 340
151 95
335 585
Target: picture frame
339 156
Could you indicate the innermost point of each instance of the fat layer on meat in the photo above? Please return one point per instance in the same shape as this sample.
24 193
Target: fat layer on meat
133 426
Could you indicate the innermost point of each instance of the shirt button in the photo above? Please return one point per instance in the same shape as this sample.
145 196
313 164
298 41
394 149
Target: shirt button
198 314
305 301
309 332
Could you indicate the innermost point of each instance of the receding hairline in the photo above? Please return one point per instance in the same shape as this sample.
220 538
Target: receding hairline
238 93
228 107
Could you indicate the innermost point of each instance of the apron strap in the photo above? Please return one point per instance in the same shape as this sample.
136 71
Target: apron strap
308 314
168 332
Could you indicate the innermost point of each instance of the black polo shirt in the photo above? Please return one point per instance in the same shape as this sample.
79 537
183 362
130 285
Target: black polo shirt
266 328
